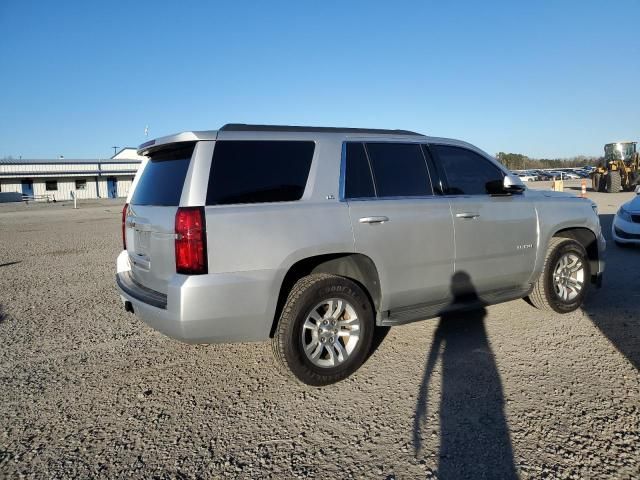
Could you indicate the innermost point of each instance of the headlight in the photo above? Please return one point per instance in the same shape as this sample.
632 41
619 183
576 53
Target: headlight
624 215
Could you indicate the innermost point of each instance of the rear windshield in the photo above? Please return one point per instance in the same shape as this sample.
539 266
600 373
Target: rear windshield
259 171
163 178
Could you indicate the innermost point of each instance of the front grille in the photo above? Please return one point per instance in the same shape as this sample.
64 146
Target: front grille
627 236
635 218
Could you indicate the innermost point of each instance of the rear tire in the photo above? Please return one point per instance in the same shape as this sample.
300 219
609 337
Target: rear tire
614 181
595 182
559 288
325 329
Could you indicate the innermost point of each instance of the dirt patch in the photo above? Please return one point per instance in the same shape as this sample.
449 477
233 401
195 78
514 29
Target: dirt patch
87 390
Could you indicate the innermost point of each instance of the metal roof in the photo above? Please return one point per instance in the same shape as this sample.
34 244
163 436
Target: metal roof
62 161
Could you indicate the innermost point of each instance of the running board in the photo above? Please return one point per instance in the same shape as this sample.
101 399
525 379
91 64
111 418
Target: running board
425 311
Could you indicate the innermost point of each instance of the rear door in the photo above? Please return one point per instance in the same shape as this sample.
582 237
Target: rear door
150 220
495 235
398 222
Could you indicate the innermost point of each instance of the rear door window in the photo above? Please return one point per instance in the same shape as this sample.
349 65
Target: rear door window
163 177
358 179
466 172
259 171
399 170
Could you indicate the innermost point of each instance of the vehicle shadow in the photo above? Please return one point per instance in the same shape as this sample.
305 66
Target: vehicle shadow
474 434
614 308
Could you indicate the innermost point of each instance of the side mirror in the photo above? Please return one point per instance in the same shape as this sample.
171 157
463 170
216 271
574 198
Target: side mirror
513 184
637 190
510 184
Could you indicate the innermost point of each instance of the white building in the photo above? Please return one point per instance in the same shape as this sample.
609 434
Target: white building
128 153
57 178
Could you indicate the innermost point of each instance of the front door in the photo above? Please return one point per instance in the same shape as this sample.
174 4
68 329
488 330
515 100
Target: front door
27 187
399 223
495 235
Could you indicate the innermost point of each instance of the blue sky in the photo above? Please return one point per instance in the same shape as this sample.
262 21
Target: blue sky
546 79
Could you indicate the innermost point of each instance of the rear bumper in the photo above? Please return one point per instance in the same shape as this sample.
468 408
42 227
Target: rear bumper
213 308
127 284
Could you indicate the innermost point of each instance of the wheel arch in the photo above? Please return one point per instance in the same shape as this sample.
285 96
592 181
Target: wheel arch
587 238
354 266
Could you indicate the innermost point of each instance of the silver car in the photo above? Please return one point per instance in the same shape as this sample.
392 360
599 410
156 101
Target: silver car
314 237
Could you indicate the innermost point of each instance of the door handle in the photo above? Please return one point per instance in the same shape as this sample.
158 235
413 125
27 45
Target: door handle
467 215
374 219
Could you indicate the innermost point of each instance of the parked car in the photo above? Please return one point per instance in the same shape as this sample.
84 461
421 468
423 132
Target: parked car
543 175
563 175
314 237
527 177
555 174
626 224
570 175
580 173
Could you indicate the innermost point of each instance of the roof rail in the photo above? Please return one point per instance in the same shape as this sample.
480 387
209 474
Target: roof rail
243 127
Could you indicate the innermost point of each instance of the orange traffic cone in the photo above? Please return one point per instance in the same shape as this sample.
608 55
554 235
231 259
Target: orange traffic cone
584 188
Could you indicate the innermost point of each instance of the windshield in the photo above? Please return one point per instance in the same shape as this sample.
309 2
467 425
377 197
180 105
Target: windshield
619 151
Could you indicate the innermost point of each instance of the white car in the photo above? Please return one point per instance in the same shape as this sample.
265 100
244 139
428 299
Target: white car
626 223
525 177
570 175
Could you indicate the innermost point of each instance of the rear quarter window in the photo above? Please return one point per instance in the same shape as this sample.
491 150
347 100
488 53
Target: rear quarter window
163 177
259 171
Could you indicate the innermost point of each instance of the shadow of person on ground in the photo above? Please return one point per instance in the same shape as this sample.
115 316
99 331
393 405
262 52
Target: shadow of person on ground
10 263
615 308
474 435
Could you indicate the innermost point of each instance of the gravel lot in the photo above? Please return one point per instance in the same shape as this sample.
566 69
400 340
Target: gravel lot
87 390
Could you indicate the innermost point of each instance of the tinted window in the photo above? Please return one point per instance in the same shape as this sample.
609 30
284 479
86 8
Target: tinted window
163 177
50 185
258 171
358 181
466 172
399 170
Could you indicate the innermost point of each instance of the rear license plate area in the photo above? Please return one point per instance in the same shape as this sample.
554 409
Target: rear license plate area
142 240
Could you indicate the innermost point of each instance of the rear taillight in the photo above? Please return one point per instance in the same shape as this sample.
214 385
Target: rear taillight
124 221
191 241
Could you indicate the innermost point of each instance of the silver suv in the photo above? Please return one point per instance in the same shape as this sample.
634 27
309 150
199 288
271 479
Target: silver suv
314 237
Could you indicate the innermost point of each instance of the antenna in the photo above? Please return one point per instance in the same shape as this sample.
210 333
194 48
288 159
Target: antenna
114 150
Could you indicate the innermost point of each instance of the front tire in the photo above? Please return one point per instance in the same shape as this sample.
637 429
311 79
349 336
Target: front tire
563 283
325 329
614 182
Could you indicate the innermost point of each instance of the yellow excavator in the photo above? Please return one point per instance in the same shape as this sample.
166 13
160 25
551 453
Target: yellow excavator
620 169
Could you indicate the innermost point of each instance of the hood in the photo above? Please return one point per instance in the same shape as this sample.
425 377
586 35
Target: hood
633 205
549 193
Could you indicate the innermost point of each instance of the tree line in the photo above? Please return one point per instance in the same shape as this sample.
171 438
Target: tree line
517 161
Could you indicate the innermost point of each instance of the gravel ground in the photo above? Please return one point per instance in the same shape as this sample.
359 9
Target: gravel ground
87 390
